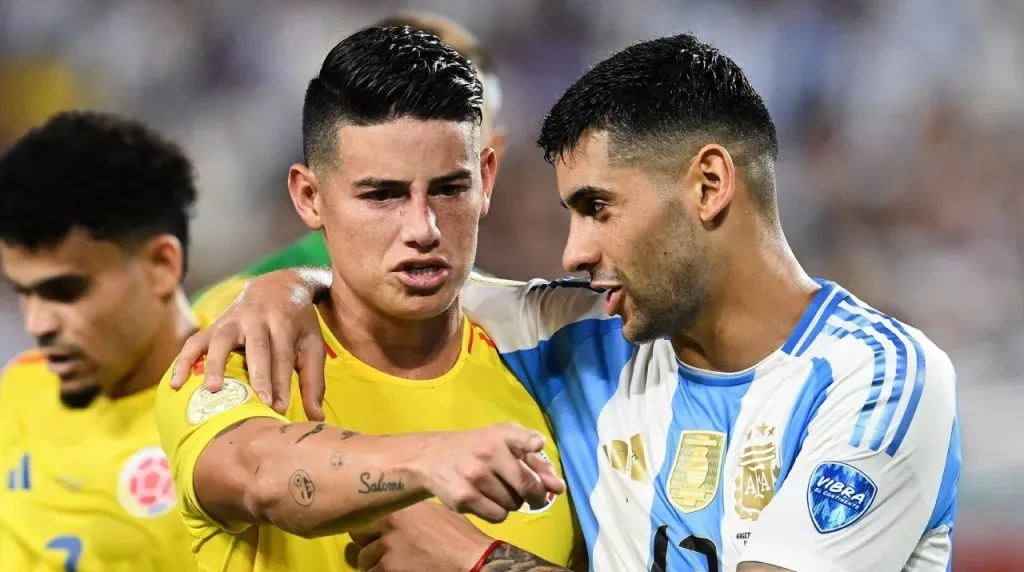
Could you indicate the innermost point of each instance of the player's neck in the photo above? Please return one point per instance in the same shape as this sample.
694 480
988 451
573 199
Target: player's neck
765 293
176 324
412 349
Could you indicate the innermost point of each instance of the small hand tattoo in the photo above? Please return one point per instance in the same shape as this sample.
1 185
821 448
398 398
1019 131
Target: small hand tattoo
301 487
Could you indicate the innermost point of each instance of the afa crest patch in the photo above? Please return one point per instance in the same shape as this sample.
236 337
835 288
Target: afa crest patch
204 405
838 495
145 488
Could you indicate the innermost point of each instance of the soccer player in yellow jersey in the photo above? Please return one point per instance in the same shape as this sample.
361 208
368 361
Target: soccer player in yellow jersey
310 250
397 180
93 233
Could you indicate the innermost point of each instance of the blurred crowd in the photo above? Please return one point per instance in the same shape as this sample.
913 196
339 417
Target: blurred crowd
901 123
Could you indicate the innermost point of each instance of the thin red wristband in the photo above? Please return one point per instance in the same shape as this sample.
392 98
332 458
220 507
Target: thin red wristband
483 559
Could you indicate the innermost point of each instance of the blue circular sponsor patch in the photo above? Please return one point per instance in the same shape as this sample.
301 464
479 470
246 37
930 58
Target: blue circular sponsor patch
838 495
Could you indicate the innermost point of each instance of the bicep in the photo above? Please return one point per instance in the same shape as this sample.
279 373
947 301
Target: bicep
226 468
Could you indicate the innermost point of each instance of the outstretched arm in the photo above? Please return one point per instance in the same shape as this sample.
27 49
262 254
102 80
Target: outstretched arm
312 479
308 479
236 462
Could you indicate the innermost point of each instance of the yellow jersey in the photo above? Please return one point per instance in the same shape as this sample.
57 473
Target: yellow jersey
478 391
83 490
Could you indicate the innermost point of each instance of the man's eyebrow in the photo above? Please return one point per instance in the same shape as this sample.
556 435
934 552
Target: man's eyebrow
452 177
41 284
375 183
582 194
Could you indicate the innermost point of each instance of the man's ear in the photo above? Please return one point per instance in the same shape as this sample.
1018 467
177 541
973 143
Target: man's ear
304 189
712 174
163 263
499 142
488 170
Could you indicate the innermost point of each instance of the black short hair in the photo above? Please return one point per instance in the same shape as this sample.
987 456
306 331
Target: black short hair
113 177
675 91
380 74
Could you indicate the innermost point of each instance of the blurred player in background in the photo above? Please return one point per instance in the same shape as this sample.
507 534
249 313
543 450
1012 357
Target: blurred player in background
716 407
397 180
94 216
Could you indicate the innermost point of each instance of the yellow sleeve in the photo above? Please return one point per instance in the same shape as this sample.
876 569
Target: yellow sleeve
218 298
188 419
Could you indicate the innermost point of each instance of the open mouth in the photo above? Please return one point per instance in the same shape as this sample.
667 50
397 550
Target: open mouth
423 276
62 365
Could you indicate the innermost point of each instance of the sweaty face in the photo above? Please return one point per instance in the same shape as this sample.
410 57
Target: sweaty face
633 232
401 211
82 302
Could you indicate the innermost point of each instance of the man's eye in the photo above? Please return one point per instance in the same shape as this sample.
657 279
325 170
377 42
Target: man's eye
382 195
449 190
595 207
64 291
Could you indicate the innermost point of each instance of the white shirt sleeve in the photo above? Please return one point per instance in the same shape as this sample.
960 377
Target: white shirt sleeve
534 325
863 499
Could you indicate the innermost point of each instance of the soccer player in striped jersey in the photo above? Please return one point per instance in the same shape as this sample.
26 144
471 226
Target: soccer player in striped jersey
716 408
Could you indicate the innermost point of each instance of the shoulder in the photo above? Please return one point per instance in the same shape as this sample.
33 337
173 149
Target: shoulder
25 372
198 402
886 374
860 340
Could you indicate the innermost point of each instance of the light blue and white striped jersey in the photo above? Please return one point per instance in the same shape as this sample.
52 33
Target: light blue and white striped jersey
838 452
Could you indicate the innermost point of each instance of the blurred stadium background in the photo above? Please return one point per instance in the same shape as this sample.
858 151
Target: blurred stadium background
901 175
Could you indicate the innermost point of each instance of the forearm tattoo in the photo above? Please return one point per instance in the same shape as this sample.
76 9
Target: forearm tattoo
301 487
316 429
382 484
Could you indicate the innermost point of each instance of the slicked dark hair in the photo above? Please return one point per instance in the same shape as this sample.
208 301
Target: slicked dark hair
668 96
380 74
113 177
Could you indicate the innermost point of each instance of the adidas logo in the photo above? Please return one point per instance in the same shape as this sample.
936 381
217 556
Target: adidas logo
20 477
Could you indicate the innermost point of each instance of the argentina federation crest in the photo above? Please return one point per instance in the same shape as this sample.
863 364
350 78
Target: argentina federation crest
693 482
759 469
838 495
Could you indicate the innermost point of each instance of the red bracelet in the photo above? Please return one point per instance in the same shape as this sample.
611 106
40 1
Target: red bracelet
483 559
